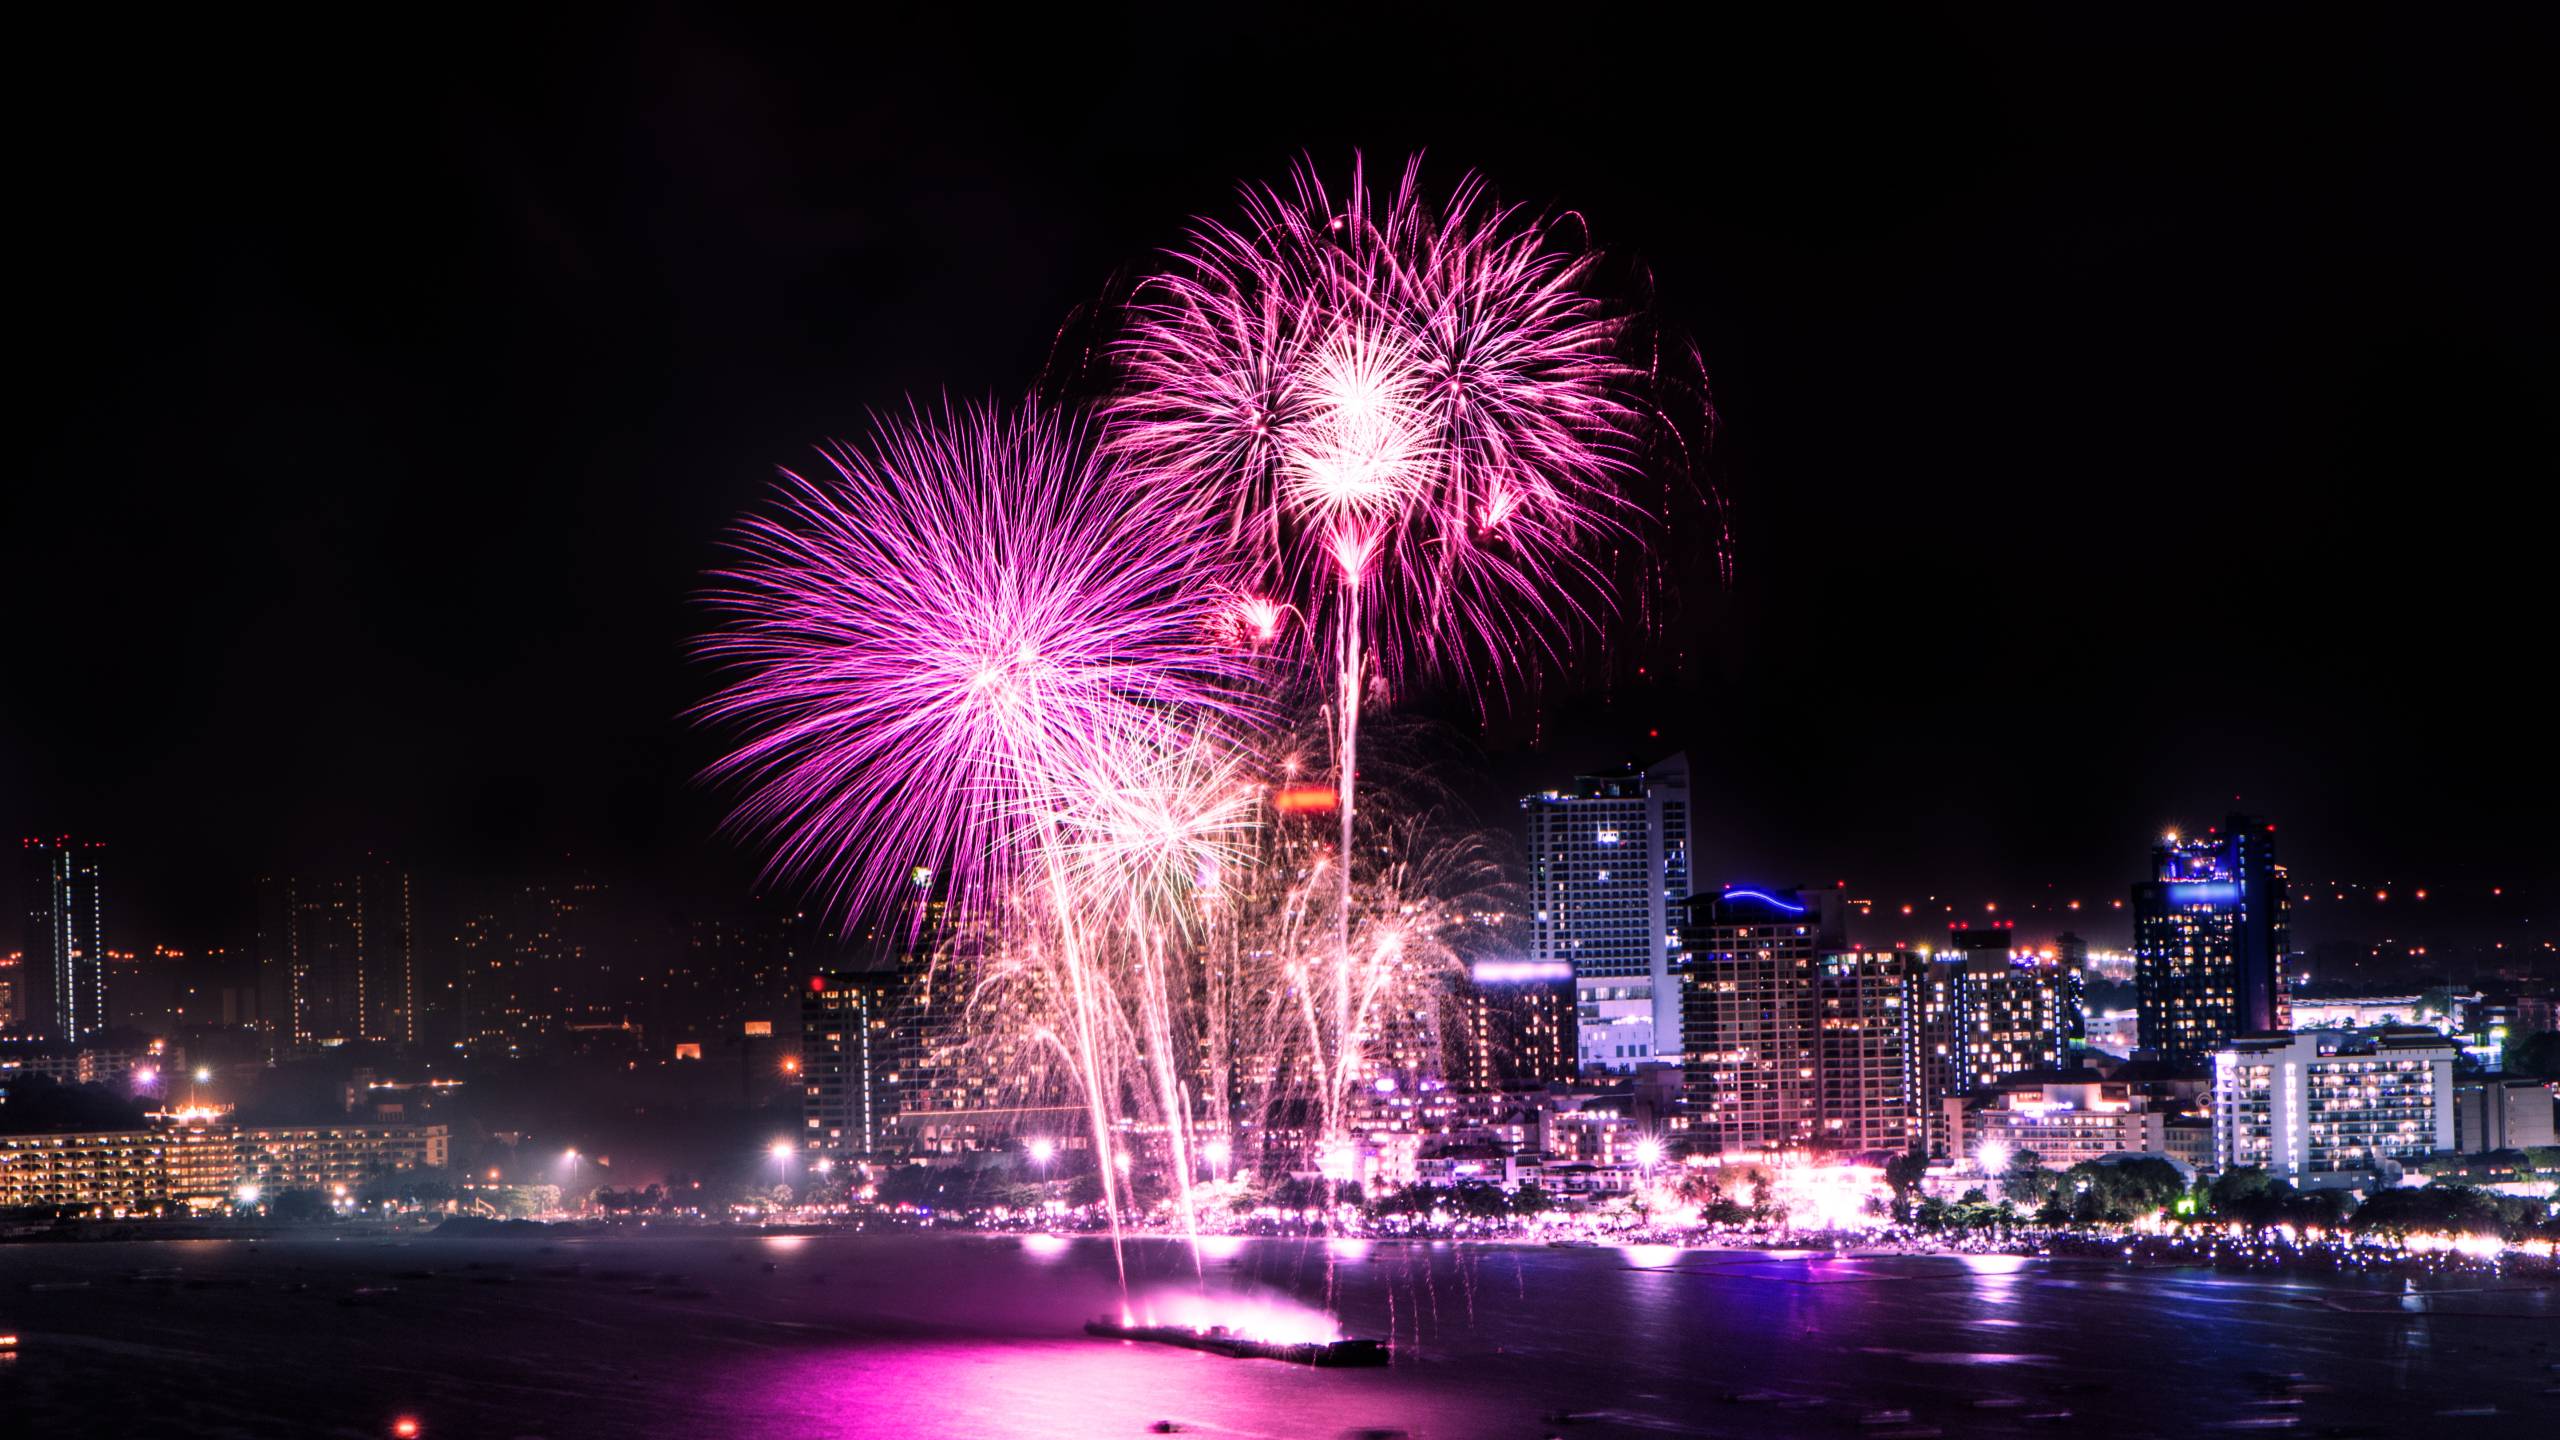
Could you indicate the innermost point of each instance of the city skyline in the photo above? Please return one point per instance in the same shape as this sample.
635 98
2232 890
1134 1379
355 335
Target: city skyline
1760 721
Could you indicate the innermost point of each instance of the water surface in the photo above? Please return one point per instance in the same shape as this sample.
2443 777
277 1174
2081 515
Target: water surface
957 1335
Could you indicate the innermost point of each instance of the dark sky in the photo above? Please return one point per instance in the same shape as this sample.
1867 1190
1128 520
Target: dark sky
2120 412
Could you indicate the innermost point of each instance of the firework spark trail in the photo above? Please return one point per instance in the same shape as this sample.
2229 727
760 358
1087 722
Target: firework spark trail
976 612
1412 414
1156 842
1358 438
972 608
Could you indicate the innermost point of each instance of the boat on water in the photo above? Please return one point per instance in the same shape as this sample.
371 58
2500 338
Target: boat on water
1219 1340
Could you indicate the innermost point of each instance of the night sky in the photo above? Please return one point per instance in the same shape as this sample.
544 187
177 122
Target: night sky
2119 413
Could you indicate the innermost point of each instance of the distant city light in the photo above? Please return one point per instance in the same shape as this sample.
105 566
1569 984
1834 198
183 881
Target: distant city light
407 1428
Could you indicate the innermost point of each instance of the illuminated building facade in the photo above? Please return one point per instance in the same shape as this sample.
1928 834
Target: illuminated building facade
117 1171
1862 1004
848 1063
2209 941
1516 1026
1608 872
313 1157
64 963
2064 1124
202 1160
2015 1010
2333 1108
1750 966
1980 1012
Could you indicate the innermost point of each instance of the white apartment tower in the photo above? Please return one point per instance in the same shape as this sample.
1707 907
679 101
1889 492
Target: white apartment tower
1608 875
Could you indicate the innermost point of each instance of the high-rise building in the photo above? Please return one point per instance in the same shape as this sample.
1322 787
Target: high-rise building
2017 1010
1608 873
1516 1026
2209 941
1862 1001
1750 964
1981 1012
2333 1108
337 956
65 960
849 1064
519 955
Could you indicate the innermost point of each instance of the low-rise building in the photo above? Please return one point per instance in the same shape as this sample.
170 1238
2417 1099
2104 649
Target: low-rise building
2064 1122
121 1172
203 1162
318 1157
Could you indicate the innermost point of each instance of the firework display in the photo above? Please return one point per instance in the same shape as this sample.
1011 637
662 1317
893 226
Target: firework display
1082 707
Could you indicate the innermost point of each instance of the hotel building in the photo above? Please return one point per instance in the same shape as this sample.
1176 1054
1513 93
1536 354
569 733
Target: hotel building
2333 1108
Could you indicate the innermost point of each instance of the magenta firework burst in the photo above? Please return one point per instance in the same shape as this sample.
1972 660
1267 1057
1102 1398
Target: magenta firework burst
1432 385
960 616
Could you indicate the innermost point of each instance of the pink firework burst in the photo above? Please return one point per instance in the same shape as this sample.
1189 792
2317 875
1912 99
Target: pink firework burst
967 612
1435 382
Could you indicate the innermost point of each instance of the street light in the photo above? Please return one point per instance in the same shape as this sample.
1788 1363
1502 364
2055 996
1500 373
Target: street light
1993 1157
1043 1150
1217 1152
782 1150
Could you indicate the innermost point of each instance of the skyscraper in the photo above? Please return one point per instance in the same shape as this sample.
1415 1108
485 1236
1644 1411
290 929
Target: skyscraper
1982 1011
1754 1015
2209 941
1862 1002
1608 872
849 1063
337 956
1516 1028
65 962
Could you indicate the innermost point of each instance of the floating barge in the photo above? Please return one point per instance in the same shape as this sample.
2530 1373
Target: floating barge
1219 1340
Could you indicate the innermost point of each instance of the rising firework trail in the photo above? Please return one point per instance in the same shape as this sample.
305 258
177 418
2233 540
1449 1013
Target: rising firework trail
1413 414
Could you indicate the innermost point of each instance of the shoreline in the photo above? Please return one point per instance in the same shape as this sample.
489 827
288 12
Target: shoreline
2267 1254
